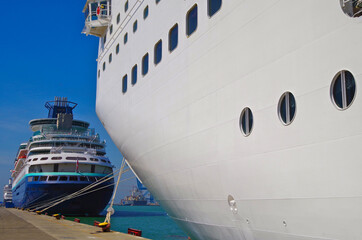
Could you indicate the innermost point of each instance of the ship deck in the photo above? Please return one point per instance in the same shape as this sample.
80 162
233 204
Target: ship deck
16 224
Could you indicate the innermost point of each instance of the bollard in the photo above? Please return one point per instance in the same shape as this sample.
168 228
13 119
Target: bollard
77 220
106 227
96 223
57 216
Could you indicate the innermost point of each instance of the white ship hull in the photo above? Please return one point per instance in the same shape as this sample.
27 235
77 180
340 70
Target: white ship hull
179 125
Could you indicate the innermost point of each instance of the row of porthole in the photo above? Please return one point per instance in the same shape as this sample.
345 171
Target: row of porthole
342 93
191 25
125 38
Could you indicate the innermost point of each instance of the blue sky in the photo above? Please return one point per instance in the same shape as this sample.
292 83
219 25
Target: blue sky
44 54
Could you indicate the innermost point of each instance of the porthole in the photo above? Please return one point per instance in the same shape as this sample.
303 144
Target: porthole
343 90
135 26
104 66
352 8
124 84
287 108
173 38
145 12
246 121
117 48
118 18
125 39
213 6
191 20
158 52
134 75
126 6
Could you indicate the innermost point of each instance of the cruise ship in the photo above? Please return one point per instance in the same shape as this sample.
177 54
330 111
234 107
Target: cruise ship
62 157
243 118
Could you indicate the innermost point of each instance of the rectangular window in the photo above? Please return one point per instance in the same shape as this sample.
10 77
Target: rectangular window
134 75
30 179
135 26
191 20
173 38
43 178
145 64
92 168
63 178
213 6
158 52
53 178
56 168
73 178
124 84
36 178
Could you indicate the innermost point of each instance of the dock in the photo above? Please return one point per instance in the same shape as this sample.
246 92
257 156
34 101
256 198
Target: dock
17 225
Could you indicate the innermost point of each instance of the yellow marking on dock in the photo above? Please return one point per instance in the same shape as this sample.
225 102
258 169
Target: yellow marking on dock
16 224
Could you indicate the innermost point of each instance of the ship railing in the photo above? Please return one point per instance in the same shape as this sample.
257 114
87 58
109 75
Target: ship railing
120 29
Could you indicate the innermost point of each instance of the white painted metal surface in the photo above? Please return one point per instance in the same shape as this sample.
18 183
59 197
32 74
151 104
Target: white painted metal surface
179 125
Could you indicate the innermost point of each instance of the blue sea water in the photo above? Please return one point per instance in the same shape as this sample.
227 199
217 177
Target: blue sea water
152 220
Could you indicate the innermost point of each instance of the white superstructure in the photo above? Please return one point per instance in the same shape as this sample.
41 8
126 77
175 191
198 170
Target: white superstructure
249 125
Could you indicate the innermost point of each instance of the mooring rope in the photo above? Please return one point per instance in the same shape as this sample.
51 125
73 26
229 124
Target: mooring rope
55 201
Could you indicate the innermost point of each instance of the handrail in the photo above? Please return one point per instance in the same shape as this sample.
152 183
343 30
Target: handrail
119 30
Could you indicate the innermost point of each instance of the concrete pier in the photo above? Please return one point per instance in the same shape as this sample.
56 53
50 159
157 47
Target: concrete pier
18 225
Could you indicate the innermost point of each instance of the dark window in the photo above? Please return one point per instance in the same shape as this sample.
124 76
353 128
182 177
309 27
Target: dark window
104 66
99 73
103 160
343 89
104 39
213 6
246 121
56 168
117 49
145 12
287 108
83 178
53 178
56 158
157 1
158 52
76 158
173 38
35 159
135 26
43 178
63 178
110 29
124 84
44 158
73 178
145 64
93 168
92 179
126 6
118 18
125 39
36 178
134 75
110 58
191 20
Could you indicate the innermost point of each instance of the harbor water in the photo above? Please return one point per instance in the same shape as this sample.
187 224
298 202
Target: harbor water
152 220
